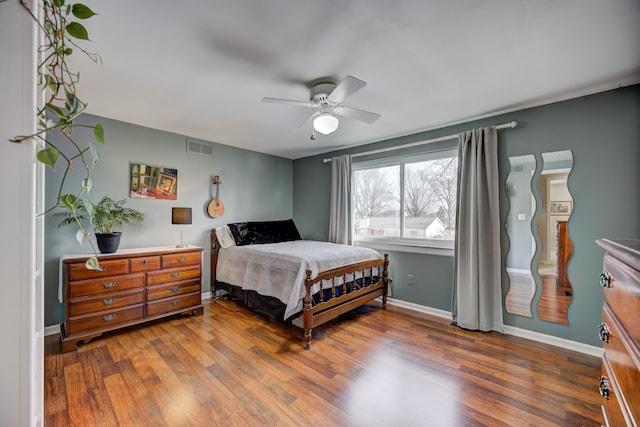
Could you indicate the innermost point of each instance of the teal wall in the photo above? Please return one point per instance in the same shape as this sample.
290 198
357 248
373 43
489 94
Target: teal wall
602 131
254 186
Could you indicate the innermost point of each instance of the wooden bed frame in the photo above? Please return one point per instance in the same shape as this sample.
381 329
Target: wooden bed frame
327 309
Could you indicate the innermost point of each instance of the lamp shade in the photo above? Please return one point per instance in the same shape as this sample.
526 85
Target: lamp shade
325 123
180 215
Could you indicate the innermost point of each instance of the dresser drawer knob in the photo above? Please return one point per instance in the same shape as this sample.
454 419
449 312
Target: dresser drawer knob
144 262
605 279
175 289
176 274
603 332
182 259
109 317
109 301
175 303
109 285
604 387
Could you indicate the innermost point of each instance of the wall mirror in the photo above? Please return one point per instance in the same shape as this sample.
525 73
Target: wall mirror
522 207
557 247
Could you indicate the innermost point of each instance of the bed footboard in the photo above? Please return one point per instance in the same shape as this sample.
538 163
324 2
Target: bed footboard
351 292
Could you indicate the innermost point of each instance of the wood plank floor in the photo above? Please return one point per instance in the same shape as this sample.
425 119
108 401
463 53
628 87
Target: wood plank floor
380 368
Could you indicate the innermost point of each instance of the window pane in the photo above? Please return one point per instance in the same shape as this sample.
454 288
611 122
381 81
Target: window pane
430 199
376 201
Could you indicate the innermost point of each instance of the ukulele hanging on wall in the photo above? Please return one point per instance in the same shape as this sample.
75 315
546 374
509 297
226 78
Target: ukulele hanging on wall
216 207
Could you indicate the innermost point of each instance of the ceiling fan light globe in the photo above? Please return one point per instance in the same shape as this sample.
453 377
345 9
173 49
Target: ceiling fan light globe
326 123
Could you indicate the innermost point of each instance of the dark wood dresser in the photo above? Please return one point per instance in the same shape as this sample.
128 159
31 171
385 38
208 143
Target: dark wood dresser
135 286
620 332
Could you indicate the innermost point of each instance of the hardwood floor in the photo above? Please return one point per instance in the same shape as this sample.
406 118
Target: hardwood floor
379 368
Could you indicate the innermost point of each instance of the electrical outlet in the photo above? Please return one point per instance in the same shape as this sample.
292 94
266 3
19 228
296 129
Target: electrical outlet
410 279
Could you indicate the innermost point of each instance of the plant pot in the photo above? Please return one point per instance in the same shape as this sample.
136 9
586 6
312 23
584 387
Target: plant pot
108 242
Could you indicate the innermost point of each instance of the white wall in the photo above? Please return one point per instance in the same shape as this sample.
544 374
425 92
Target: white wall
21 323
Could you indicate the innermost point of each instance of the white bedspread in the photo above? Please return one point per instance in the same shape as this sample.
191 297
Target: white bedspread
278 269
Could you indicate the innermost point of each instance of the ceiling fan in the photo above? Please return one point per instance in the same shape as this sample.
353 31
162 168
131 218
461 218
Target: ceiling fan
327 99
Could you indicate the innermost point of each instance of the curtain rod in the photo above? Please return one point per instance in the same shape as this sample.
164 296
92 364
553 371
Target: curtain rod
509 125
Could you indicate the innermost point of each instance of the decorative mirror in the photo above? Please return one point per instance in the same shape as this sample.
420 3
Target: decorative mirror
557 247
522 207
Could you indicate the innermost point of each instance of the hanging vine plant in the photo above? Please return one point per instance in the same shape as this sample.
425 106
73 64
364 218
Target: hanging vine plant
62 31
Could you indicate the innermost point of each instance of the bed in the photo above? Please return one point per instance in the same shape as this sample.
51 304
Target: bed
272 270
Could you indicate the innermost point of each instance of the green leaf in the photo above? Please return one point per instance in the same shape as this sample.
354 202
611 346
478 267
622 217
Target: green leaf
48 156
94 154
81 11
51 83
68 51
77 30
69 200
72 102
55 109
92 264
80 235
98 132
90 208
58 3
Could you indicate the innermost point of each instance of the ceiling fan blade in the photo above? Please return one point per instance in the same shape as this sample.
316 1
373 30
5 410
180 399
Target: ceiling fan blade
347 87
354 113
307 104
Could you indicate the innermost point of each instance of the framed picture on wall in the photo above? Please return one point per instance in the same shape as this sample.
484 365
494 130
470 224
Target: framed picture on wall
560 208
152 182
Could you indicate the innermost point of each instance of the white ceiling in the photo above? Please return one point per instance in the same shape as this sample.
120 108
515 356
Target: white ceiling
200 68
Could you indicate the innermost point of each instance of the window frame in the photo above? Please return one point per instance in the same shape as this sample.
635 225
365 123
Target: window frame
404 244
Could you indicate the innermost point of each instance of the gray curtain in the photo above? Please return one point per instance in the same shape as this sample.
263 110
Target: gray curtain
477 294
340 229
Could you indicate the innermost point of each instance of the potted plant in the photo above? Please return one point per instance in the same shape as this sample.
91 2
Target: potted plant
106 216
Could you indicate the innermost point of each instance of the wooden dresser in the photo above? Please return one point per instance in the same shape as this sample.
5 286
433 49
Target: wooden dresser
620 332
135 286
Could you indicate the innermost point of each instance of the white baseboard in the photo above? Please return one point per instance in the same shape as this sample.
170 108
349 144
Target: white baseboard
510 330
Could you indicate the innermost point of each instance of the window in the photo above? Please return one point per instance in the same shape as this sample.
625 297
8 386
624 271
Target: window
407 200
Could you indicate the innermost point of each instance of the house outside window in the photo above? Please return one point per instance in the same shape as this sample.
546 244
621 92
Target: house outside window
406 200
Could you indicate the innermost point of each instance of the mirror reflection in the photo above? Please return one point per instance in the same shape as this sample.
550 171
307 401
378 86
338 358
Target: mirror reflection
522 207
557 246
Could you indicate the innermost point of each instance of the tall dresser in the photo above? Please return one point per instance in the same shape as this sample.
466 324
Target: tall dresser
134 286
620 332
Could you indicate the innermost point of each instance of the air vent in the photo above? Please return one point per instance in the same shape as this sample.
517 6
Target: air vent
199 147
517 168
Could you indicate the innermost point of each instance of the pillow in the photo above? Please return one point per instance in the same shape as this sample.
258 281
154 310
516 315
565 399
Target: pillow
254 233
224 236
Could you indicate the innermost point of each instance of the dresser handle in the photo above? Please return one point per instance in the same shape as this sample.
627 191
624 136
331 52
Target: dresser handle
175 303
144 262
109 317
109 301
605 279
604 387
109 285
182 259
176 274
175 289
603 332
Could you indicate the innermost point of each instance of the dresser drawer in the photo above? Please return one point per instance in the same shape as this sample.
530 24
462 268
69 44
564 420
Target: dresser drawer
168 305
144 264
611 409
178 260
78 271
172 289
105 319
173 275
623 295
87 305
107 284
623 360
